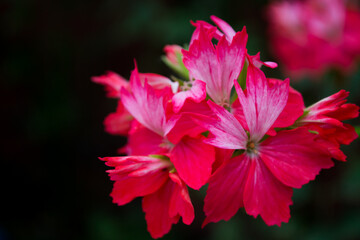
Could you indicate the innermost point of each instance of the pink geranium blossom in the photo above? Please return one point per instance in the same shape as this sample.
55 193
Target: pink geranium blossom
260 179
216 65
165 195
191 157
119 123
222 122
325 117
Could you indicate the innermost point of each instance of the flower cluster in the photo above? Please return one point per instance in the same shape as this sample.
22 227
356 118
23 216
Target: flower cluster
324 32
221 122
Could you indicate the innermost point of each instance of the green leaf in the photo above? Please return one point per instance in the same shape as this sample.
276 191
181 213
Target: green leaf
242 76
160 157
357 129
241 80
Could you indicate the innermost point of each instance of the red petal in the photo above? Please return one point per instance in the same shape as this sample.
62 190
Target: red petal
180 202
265 195
332 110
145 104
263 104
136 176
225 27
113 83
216 66
294 157
156 208
193 159
118 123
221 155
293 109
224 195
197 93
226 130
164 207
185 125
142 141
158 81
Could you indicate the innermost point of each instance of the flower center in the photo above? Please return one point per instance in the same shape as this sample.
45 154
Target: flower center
166 144
252 148
186 85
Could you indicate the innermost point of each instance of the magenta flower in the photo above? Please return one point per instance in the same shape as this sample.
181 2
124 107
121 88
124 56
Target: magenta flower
166 197
325 117
311 36
252 143
215 64
191 157
261 178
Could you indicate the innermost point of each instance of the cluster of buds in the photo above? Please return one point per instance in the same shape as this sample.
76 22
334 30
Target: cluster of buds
220 122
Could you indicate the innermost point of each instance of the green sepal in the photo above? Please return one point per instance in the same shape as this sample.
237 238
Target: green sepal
241 80
314 132
238 152
179 69
357 129
242 76
162 157
205 134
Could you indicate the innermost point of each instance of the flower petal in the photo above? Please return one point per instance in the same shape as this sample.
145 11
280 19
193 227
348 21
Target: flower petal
263 104
226 131
180 202
185 125
293 109
144 104
266 196
142 141
225 27
294 156
197 93
135 176
224 195
258 63
113 83
332 110
158 81
216 66
118 123
164 207
193 159
156 207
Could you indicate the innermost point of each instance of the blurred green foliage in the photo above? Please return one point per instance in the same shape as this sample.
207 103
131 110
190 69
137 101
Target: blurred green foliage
53 185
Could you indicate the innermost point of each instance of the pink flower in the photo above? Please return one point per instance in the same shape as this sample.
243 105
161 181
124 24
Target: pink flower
218 65
313 35
114 83
161 131
325 117
261 178
293 109
119 123
214 64
252 145
165 195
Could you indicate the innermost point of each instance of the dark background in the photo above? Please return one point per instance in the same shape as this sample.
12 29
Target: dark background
52 184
